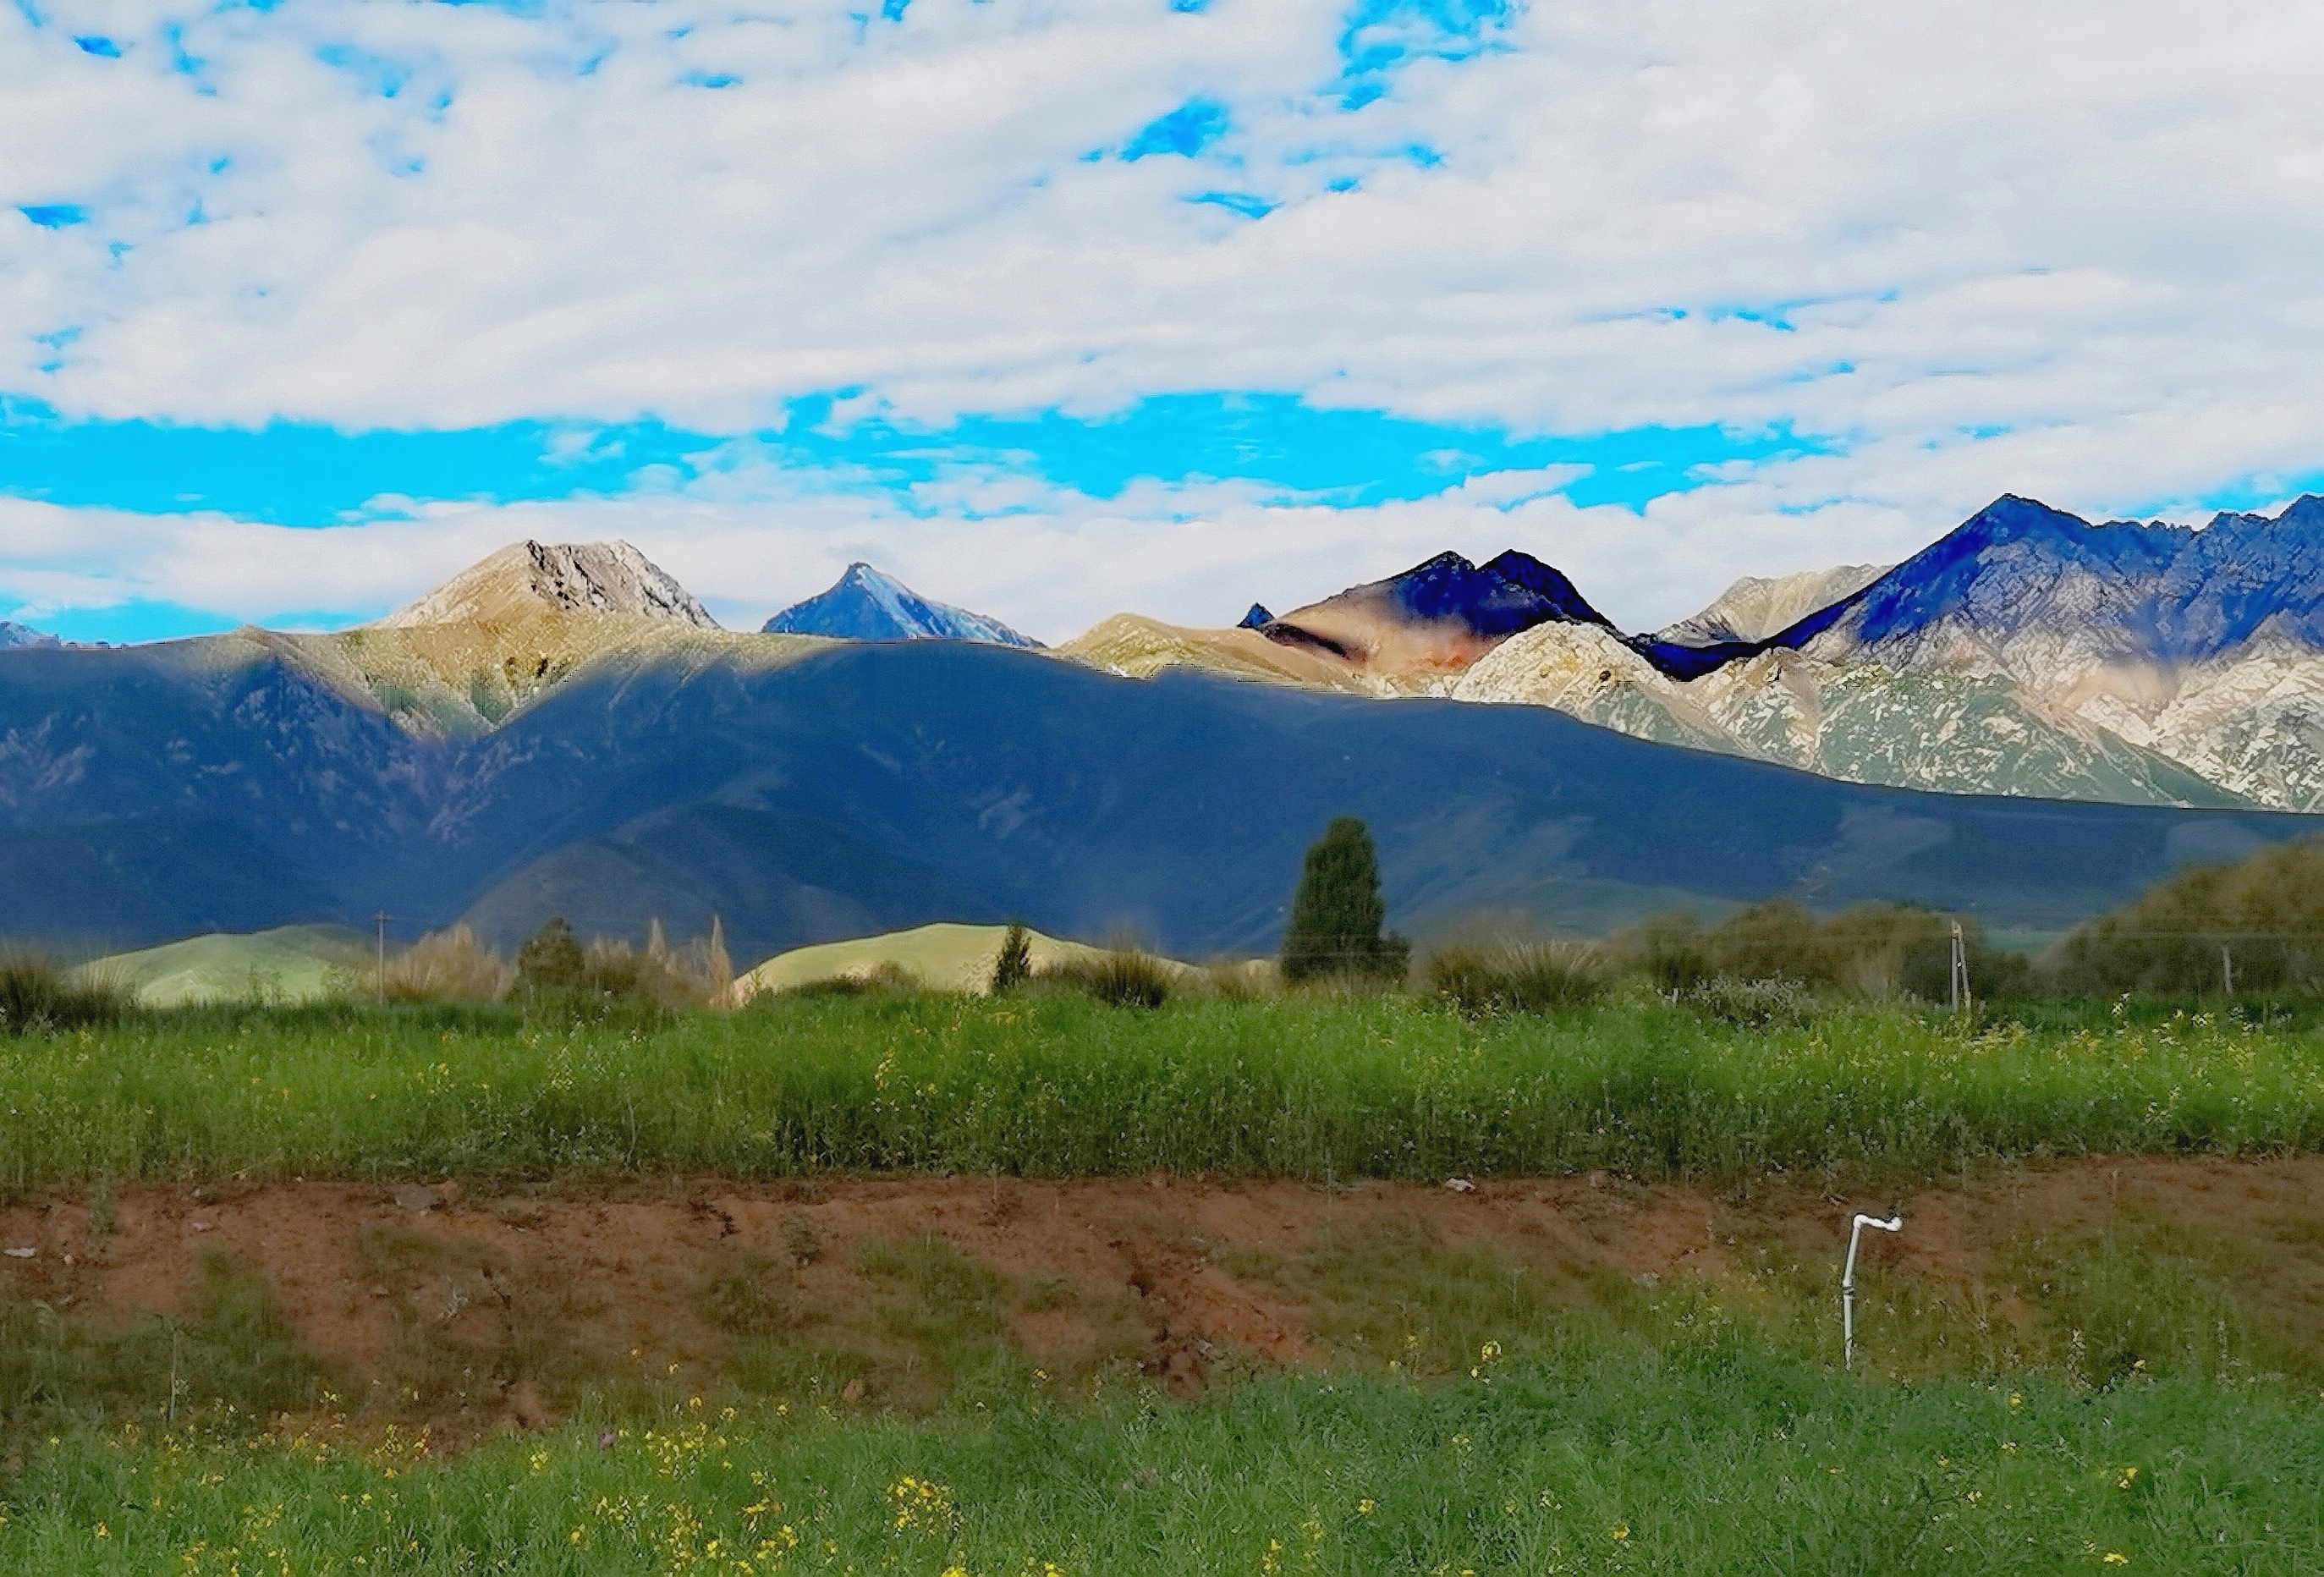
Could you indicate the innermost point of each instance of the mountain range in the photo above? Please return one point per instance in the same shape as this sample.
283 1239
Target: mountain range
574 738
2026 652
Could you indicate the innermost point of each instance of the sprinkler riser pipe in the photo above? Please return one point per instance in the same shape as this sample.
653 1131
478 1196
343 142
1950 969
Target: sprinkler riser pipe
1895 1223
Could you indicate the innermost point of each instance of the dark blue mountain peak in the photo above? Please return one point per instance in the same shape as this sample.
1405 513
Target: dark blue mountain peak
2152 590
1510 594
1548 583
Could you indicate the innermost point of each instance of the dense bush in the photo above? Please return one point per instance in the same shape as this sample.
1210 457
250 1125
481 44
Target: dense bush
560 975
552 960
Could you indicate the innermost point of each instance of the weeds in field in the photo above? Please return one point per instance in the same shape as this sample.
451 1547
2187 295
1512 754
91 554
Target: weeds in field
1609 1457
233 1353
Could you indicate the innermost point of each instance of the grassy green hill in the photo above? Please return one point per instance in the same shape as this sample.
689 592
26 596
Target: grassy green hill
291 964
947 958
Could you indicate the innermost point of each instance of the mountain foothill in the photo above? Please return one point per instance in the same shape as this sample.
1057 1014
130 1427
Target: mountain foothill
2030 720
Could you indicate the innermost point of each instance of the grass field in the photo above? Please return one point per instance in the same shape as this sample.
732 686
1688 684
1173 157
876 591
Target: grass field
1616 1459
1055 1084
2097 1376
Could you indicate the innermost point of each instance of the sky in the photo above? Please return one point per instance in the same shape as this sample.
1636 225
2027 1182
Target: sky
1055 308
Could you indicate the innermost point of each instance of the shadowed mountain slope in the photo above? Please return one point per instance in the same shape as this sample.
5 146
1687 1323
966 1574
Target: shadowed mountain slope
874 786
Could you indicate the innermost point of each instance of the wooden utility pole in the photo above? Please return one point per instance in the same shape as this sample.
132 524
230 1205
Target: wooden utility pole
381 920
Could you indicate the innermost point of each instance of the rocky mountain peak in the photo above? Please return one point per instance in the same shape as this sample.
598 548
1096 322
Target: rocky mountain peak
2019 577
15 634
1756 607
569 577
865 604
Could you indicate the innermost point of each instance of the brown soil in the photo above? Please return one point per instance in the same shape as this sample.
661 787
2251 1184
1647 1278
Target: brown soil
452 1304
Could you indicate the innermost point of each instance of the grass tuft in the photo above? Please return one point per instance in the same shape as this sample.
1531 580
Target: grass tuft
1515 977
39 994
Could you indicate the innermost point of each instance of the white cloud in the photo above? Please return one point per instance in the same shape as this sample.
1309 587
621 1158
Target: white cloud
2087 229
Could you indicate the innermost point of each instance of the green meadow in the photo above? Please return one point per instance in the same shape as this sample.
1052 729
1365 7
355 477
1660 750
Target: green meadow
1055 1084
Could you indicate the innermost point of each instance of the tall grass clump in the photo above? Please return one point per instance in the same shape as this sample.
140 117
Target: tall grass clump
443 966
694 975
1119 977
1515 977
37 993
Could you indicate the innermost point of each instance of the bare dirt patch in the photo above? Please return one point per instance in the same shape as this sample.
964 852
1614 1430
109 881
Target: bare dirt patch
474 1309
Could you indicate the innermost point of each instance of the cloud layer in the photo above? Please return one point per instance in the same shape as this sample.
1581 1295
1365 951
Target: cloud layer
1961 249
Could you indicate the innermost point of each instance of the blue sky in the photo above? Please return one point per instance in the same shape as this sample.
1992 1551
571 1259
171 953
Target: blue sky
312 475
1058 309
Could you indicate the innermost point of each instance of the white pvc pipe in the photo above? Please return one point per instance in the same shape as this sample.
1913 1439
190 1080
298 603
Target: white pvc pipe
1895 1223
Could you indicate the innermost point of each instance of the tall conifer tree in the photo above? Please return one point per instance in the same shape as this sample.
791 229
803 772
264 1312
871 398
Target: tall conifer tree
1337 911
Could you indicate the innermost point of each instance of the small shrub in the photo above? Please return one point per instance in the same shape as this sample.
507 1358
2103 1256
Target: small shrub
743 1295
801 1241
1530 977
1014 966
552 961
37 994
1758 1003
1123 977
